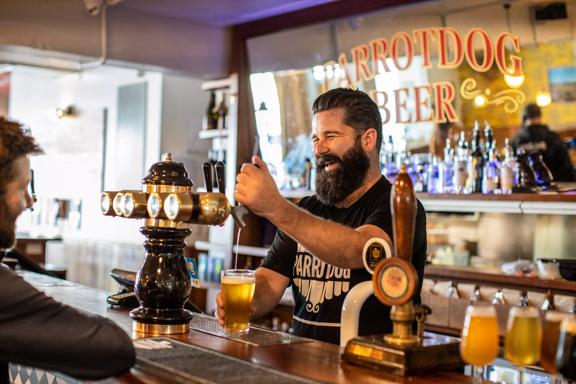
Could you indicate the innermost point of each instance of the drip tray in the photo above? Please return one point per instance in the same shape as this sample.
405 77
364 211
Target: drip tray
177 362
255 336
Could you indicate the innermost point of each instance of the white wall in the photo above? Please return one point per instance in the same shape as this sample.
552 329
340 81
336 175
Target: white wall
72 164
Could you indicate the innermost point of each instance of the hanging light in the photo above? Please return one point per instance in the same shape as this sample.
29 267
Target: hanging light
543 99
511 81
514 81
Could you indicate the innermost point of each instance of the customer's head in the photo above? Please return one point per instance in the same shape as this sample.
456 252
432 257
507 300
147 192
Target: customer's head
531 114
347 136
15 146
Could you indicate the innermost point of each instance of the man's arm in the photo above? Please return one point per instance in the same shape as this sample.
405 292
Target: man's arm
36 330
270 287
334 243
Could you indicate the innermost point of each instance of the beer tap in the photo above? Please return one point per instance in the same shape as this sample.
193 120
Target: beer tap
220 176
207 170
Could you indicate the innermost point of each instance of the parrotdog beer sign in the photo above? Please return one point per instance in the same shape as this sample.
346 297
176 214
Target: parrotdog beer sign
432 101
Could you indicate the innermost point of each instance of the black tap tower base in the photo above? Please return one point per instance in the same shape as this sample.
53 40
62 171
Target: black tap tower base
162 284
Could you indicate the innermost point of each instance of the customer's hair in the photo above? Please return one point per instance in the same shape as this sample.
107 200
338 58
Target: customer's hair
360 111
530 112
15 141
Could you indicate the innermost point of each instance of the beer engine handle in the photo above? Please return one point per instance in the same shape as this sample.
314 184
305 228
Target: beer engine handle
220 177
207 170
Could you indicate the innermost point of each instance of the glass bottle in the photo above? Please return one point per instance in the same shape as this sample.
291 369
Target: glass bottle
434 178
211 115
475 162
461 166
490 176
447 169
508 169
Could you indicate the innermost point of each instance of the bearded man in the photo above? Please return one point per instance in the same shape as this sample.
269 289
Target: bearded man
319 243
36 330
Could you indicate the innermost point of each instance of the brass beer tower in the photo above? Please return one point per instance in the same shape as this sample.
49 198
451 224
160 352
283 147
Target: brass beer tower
167 204
394 281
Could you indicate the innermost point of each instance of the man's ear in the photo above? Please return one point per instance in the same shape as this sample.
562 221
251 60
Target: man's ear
369 139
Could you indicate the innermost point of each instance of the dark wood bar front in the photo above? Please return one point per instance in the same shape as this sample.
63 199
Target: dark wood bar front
315 361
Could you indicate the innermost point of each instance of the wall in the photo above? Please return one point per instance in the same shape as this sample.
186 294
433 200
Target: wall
63 29
71 167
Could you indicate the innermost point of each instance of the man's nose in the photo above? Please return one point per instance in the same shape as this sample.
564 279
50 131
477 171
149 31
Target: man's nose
320 148
29 200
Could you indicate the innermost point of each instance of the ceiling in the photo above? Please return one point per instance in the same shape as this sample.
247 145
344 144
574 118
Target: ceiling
219 13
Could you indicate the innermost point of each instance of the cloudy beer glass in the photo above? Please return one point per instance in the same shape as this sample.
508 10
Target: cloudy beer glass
523 338
479 344
237 292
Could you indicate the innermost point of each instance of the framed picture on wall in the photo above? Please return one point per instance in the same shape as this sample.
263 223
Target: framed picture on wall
562 82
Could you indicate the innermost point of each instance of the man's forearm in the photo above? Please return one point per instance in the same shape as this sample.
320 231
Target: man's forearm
333 243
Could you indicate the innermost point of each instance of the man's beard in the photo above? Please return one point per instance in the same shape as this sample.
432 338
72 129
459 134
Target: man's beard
7 226
335 185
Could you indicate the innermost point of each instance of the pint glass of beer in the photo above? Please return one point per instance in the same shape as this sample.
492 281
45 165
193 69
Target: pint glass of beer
237 292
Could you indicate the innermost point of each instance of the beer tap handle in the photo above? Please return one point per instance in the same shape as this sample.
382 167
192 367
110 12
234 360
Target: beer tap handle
220 177
207 169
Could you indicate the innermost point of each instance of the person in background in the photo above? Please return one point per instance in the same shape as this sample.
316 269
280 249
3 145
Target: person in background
36 330
318 247
536 136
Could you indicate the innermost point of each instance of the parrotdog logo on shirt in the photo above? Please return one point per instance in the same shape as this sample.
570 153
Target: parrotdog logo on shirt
318 281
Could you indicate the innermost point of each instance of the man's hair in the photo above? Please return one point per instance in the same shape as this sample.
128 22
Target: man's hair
15 141
360 111
530 112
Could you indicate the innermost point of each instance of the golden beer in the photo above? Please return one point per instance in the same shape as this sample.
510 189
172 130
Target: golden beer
237 292
523 336
479 344
550 335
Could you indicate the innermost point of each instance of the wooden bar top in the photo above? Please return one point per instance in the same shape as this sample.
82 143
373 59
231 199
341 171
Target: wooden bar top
316 361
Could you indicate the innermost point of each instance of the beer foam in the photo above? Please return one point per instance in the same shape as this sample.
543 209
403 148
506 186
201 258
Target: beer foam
555 316
525 312
238 279
483 311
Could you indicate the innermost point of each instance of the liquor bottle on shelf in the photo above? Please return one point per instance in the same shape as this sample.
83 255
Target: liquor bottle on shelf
475 162
508 170
461 166
447 169
490 142
490 175
390 166
222 112
434 178
211 115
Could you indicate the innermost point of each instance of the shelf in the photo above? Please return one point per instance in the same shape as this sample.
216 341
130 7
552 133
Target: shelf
247 250
218 84
212 133
472 275
554 204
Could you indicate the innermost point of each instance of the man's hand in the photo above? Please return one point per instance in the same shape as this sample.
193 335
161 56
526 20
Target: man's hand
220 312
256 189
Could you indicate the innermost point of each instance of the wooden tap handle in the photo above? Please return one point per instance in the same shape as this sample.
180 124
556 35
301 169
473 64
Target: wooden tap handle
403 204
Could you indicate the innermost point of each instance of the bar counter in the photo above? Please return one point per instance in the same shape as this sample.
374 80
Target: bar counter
315 361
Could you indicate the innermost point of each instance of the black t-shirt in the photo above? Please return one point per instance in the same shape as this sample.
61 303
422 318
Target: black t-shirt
538 137
319 288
